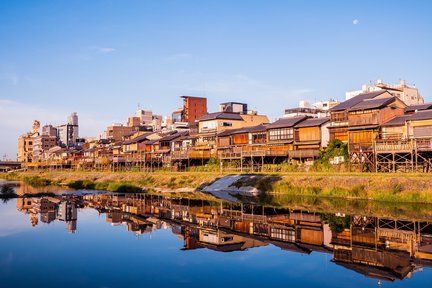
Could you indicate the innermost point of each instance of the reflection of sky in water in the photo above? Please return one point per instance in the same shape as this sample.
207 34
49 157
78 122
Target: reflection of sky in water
11 221
102 255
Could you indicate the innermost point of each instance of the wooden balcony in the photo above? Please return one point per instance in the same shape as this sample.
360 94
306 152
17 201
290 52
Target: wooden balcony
424 144
391 146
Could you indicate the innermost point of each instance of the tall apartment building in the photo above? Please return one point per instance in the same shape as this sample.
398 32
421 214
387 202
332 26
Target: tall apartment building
409 94
25 144
68 133
193 109
41 144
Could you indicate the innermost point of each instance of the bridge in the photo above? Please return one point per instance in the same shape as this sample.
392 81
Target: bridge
9 166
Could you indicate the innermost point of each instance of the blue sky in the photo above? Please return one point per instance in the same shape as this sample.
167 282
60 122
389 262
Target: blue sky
102 58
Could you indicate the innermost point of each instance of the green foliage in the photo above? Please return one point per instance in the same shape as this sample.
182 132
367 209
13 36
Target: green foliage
7 191
397 188
101 186
358 191
335 148
82 184
37 181
123 187
337 224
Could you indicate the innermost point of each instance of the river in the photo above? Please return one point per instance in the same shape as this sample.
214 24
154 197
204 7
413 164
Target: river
88 239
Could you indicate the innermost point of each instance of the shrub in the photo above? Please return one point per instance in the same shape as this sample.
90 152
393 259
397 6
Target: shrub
37 181
123 187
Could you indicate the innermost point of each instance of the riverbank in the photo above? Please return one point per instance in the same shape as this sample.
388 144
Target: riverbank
414 188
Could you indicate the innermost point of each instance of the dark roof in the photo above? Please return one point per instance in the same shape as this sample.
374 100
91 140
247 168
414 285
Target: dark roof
419 107
251 129
356 99
421 115
221 115
174 136
197 97
398 121
137 139
286 122
313 122
369 104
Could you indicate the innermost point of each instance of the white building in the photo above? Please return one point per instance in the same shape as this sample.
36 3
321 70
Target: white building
407 93
316 110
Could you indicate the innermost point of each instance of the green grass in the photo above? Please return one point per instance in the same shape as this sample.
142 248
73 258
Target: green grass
37 181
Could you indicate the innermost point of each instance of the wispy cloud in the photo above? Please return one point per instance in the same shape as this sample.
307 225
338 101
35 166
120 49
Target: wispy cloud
178 56
106 50
102 50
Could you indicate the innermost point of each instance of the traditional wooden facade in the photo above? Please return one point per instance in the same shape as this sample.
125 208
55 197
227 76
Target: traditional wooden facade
365 120
339 123
310 136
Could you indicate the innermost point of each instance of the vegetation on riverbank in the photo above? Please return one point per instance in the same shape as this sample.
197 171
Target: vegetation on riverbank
131 182
382 187
404 188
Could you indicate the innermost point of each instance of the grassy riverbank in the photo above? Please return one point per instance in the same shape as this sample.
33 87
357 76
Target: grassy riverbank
416 188
114 182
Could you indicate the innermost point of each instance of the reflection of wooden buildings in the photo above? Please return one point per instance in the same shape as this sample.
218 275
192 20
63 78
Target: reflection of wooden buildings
382 248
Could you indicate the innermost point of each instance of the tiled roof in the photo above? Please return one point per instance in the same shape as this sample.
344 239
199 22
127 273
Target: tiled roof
137 139
398 121
421 115
251 129
356 99
420 107
221 115
368 104
286 122
313 122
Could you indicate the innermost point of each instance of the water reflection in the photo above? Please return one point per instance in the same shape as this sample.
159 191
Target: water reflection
383 248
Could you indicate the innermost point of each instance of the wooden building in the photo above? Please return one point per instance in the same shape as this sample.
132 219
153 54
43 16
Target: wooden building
405 144
338 128
310 136
365 120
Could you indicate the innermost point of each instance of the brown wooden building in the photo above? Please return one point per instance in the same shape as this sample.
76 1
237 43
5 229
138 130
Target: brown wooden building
338 128
365 120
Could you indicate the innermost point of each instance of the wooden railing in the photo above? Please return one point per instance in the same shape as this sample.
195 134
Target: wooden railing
424 144
403 145
394 145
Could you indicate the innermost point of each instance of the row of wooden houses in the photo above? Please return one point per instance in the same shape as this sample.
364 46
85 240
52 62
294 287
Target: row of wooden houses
382 134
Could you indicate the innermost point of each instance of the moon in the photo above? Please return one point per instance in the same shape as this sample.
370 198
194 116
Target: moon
356 21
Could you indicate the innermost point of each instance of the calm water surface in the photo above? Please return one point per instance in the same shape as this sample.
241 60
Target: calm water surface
111 240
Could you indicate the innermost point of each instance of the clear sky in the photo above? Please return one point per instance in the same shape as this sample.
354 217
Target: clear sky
102 58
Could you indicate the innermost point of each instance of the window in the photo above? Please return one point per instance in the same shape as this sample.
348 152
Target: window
259 138
281 134
226 124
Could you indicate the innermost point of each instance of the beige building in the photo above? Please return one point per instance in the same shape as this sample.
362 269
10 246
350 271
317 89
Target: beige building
42 144
214 123
117 131
409 94
25 144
